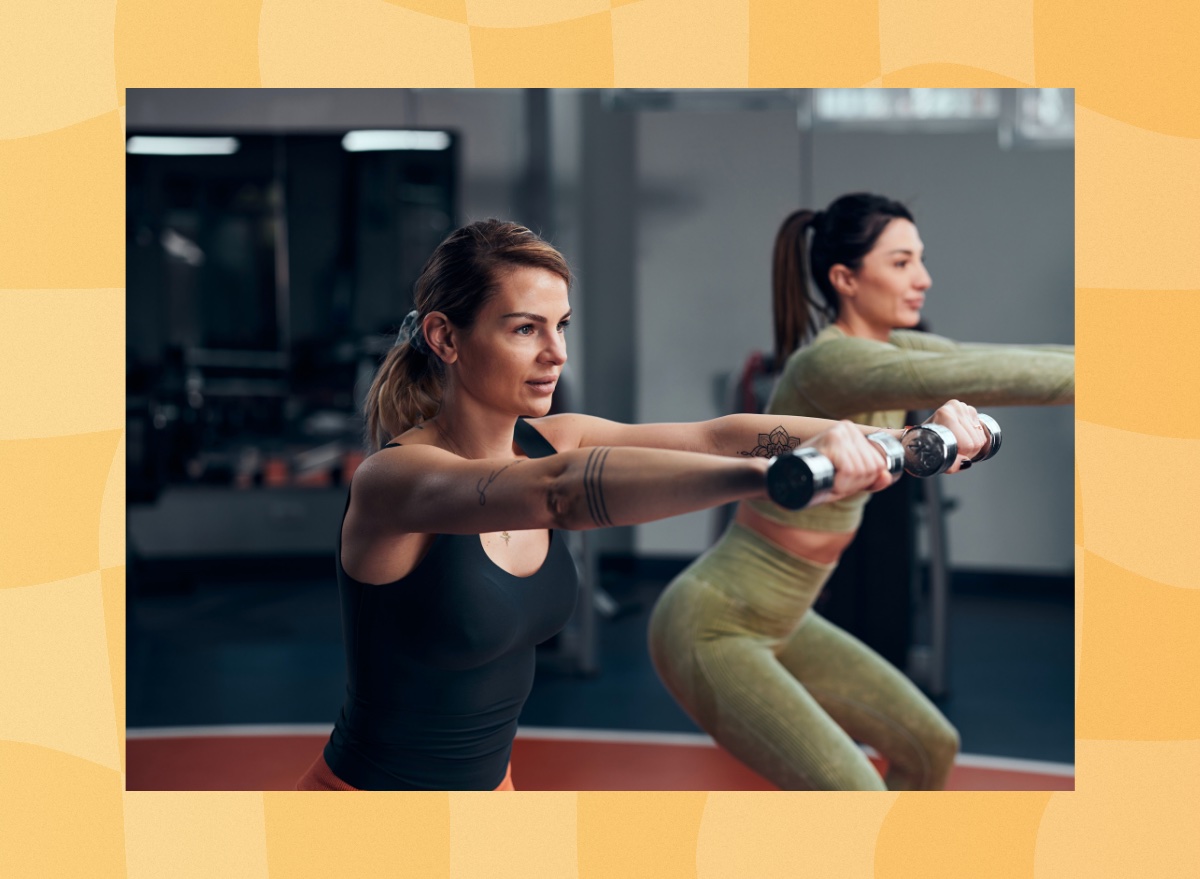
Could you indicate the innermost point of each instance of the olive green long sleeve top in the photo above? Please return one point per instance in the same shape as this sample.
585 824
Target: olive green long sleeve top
873 382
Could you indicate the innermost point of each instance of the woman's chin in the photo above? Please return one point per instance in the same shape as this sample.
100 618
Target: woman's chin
537 408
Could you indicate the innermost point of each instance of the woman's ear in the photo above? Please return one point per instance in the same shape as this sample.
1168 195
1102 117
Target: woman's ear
843 280
442 336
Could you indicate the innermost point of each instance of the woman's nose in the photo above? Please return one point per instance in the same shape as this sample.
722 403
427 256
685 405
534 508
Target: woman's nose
556 351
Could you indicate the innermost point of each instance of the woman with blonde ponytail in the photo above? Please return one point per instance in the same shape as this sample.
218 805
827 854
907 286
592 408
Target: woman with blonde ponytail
734 637
449 562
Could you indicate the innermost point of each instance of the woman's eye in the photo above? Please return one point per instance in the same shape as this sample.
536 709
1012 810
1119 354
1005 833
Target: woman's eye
902 264
562 326
522 329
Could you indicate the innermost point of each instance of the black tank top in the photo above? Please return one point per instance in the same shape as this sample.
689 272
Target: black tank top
440 662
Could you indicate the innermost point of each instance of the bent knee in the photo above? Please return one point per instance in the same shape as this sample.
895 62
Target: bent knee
944 744
941 744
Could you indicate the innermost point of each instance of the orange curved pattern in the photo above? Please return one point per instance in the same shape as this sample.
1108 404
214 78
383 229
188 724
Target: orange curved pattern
66 689
70 69
1137 206
569 54
982 835
810 43
709 44
61 207
1138 654
1142 534
948 75
360 43
1134 813
311 837
187 44
1134 344
658 834
62 816
62 80
522 14
994 36
194 835
53 490
53 331
1127 61
450 10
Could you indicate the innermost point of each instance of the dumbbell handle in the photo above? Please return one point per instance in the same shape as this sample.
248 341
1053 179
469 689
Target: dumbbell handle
804 476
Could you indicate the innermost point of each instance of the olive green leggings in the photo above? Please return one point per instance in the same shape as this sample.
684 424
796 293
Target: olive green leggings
785 691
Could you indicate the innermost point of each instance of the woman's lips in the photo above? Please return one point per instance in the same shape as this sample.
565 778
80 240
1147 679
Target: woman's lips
543 386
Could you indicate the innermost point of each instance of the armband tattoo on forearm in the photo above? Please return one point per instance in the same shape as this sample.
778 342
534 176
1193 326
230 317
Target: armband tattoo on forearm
777 442
593 470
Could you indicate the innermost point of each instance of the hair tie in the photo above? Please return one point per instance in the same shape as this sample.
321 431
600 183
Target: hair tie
413 333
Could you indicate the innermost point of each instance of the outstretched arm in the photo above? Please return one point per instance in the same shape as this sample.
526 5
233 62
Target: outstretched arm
852 375
423 489
739 436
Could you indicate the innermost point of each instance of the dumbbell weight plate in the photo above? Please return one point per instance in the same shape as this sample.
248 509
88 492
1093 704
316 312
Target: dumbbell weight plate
799 478
929 449
993 427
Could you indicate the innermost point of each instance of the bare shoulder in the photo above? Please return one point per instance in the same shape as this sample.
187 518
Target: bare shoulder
570 431
386 476
563 431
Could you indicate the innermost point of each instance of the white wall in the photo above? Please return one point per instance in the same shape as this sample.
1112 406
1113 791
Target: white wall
713 187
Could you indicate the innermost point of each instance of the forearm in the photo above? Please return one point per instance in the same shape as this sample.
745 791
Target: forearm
1065 350
769 435
604 486
919 380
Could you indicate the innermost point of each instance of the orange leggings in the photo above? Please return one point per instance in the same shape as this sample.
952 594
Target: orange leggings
321 777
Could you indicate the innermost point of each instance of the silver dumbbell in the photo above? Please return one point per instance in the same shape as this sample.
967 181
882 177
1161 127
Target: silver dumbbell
930 449
804 477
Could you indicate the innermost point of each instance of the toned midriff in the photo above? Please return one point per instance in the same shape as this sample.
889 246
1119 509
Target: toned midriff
824 547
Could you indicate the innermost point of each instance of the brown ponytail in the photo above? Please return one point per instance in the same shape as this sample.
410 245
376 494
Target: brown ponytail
458 279
789 285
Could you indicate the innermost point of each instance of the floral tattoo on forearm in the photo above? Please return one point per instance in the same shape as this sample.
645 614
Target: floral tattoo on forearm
777 442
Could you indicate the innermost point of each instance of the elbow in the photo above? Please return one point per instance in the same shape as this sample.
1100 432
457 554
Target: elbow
561 503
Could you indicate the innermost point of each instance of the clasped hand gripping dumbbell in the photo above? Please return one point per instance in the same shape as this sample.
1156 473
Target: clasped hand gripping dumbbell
804 476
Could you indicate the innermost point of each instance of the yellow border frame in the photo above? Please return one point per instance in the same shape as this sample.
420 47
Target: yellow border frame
66 64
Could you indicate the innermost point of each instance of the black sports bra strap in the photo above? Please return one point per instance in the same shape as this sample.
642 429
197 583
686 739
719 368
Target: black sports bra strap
389 446
531 442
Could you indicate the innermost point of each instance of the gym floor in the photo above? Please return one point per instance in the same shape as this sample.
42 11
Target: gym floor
234 682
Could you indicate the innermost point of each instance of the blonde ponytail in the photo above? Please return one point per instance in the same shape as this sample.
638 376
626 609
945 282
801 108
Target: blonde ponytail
406 391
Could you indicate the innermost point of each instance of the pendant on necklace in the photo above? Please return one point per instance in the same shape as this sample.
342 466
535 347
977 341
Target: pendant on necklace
507 537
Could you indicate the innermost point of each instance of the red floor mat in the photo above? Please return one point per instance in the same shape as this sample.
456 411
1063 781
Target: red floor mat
274 762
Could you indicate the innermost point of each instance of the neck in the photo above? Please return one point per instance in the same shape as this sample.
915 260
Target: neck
853 325
471 431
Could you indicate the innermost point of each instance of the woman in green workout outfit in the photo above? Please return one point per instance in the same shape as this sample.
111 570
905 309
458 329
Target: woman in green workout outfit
734 637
